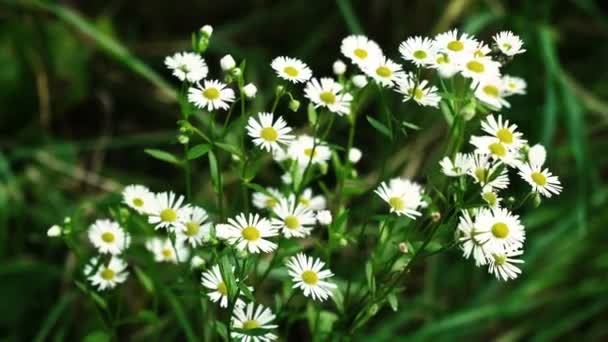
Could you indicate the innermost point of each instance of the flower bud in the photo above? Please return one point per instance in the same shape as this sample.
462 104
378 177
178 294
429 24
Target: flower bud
339 67
359 81
294 105
536 200
403 248
250 90
279 90
373 309
435 216
324 217
236 72
537 155
468 111
354 155
183 139
54 231
227 63
197 262
67 220
207 31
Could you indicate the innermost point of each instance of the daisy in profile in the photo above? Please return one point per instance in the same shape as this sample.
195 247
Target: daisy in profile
500 229
168 211
403 196
267 133
420 92
305 149
485 172
291 69
482 50
417 50
383 70
503 131
248 233
513 85
108 237
164 251
308 275
458 167
491 92
138 197
251 317
293 219
503 264
541 180
445 65
212 95
195 229
479 68
212 279
470 245
490 196
455 45
359 49
329 94
106 276
310 201
187 66
508 43
267 200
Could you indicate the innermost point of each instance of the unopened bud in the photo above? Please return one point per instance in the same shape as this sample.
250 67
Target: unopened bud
373 309
359 81
403 248
294 105
227 63
207 30
236 72
197 262
279 90
339 67
468 111
250 90
183 139
435 216
536 200
54 231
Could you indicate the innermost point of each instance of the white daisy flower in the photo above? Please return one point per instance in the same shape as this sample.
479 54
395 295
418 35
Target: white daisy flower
138 197
495 148
541 180
291 69
108 237
491 92
384 71
482 50
248 233
421 93
249 317
479 68
403 196
485 172
329 94
359 81
167 211
502 264
213 95
310 201
460 166
324 217
304 149
507 134
359 49
512 85
537 155
470 245
106 276
212 279
308 275
267 133
500 229
195 230
263 201
508 43
164 251
418 50
187 66
294 219
445 65
454 45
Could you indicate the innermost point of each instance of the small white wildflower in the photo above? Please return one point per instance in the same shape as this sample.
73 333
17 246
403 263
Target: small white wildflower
250 90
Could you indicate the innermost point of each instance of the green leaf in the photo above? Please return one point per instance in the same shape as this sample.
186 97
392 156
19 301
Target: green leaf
145 281
94 296
179 313
393 301
97 336
312 114
198 151
215 176
221 330
229 148
54 315
246 291
369 276
348 13
379 126
410 125
228 277
163 155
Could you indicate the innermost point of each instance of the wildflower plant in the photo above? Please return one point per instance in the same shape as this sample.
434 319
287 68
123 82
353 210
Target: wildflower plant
270 255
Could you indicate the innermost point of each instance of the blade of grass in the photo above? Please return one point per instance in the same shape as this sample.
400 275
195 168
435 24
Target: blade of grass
54 316
348 13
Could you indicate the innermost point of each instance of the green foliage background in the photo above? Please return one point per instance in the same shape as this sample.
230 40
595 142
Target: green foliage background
83 91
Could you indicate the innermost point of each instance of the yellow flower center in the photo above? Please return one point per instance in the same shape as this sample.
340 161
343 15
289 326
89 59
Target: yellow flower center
442 59
250 233
138 202
539 178
417 94
419 54
498 149
309 152
167 252
269 134
168 215
310 277
490 197
500 230
328 97
476 67
478 53
250 324
271 203
291 71
221 288
192 228
304 201
512 85
481 174
504 135
456 45
383 71
507 46
211 93
107 274
396 203
360 53
107 237
292 222
491 90
500 260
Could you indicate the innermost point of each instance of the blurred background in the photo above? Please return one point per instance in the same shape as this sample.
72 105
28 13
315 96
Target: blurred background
83 91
